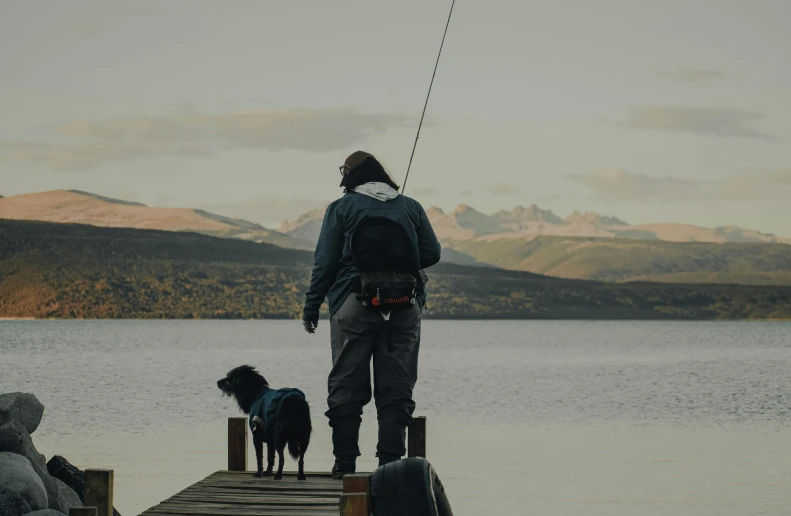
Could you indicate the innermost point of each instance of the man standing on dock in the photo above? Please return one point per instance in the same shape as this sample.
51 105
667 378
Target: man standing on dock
373 246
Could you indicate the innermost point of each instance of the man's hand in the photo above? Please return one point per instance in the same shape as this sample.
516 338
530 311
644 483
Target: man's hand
310 323
310 326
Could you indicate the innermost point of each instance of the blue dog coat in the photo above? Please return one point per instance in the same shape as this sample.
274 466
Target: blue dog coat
267 405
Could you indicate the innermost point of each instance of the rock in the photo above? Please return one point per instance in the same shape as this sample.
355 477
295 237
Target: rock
17 415
12 504
15 438
22 407
46 512
17 474
67 473
61 497
70 474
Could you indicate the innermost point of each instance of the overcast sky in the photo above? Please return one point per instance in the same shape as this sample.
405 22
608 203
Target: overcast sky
672 111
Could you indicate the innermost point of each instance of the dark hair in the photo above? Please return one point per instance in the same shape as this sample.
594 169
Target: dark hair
369 171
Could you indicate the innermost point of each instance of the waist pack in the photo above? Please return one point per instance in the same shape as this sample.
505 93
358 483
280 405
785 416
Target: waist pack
387 291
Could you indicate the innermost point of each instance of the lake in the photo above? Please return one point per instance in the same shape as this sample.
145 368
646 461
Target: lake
547 418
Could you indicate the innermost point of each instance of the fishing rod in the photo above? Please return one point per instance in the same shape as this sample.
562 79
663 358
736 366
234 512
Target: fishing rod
427 96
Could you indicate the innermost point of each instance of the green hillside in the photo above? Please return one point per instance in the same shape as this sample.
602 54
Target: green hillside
632 260
74 271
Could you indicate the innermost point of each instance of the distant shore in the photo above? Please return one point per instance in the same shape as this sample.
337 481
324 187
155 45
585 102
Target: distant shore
67 271
428 318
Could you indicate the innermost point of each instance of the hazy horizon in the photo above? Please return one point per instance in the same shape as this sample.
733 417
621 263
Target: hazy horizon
672 112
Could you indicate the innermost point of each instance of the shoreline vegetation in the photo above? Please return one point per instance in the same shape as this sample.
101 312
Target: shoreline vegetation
70 271
434 318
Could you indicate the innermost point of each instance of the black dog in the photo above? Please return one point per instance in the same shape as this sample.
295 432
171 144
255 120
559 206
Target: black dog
278 417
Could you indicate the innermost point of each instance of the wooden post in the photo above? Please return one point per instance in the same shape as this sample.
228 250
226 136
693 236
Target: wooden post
354 504
82 511
237 444
356 484
417 438
98 491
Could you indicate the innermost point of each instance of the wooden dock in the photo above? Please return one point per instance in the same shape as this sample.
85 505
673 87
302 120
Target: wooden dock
236 492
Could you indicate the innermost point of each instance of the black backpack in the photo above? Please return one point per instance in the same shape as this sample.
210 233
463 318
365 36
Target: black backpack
385 257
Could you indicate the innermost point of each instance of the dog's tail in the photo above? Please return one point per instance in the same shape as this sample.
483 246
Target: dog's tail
294 415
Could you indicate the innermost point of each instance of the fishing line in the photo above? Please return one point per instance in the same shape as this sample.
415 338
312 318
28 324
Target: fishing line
427 96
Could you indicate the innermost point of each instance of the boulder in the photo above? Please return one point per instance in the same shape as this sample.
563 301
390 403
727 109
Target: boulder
70 474
22 407
17 474
15 438
12 504
67 473
61 497
46 512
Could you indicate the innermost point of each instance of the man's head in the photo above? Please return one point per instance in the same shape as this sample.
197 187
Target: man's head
361 167
354 160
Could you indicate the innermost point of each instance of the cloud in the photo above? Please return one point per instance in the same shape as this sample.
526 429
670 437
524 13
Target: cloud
690 119
199 135
694 75
425 192
622 185
84 155
503 189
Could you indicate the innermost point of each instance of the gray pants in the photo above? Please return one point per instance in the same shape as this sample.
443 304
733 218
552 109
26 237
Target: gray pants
357 335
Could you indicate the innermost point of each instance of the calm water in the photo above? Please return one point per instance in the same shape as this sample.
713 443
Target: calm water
545 418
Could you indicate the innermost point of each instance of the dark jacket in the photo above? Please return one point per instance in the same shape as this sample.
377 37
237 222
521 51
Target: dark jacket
267 405
334 271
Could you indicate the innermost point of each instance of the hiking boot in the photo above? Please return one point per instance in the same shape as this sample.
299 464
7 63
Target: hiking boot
343 468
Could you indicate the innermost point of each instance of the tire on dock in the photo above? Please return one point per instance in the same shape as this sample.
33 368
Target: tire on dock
408 487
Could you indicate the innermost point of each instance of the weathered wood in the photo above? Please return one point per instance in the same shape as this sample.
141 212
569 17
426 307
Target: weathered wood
357 484
354 504
251 510
98 491
83 511
237 444
417 438
234 493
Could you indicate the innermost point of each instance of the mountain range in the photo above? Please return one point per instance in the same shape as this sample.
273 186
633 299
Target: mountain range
597 247
530 239
465 222
74 206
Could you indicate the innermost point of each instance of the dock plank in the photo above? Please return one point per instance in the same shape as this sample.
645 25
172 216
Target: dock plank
232 493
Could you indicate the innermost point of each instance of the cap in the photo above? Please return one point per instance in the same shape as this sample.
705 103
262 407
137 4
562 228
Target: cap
356 158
